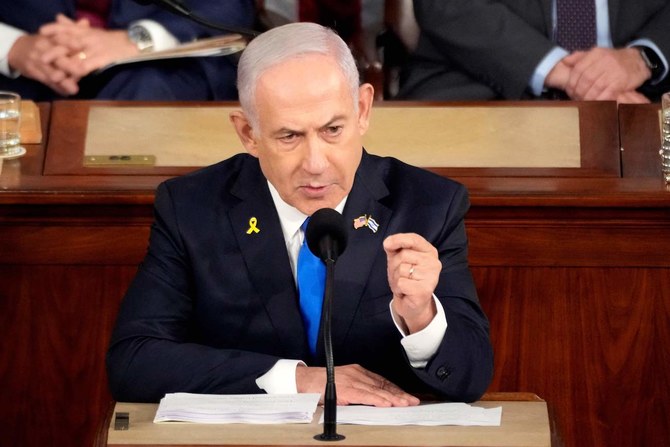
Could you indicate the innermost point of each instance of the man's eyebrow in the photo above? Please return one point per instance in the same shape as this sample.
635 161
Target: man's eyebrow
286 130
333 120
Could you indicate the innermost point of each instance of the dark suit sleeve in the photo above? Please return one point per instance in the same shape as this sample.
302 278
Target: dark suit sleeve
153 349
655 29
238 13
487 40
462 368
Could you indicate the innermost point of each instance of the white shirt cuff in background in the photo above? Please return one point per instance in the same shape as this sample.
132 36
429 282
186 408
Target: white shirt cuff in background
160 36
280 379
421 346
542 70
8 35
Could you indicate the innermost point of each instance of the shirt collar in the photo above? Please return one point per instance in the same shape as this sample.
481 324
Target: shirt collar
291 218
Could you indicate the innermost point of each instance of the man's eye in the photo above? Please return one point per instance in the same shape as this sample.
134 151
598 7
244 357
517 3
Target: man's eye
333 130
288 138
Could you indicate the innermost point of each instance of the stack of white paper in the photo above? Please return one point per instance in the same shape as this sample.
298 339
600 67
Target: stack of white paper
237 408
429 414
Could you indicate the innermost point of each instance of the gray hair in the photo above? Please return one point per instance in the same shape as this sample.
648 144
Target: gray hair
286 42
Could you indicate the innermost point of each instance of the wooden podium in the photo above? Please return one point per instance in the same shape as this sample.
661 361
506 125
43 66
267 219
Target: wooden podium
571 263
524 423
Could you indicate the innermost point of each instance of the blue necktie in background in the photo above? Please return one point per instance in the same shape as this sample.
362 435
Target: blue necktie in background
311 285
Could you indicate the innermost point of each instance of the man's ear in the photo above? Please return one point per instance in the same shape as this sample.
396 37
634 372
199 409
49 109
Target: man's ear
366 93
244 131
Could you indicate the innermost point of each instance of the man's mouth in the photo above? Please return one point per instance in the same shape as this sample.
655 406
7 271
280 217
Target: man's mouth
314 190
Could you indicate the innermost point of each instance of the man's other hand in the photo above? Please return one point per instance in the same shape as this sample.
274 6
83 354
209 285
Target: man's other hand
355 385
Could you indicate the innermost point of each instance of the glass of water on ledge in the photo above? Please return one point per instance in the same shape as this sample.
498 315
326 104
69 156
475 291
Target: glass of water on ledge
10 121
665 132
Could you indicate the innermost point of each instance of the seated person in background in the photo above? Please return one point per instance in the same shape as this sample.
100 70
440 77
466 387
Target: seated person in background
357 22
214 307
515 49
47 47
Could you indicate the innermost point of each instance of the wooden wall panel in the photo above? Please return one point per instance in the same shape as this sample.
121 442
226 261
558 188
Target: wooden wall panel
74 245
571 237
590 342
16 360
55 323
588 339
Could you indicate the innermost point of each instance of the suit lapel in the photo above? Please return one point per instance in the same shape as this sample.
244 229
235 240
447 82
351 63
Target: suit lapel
352 270
266 258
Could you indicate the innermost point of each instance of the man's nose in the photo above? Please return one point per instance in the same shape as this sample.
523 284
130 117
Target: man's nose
315 159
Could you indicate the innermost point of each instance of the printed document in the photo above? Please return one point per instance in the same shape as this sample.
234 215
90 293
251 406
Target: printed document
453 413
237 408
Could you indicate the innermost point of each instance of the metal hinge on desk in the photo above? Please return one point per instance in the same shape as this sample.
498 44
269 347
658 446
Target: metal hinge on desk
119 160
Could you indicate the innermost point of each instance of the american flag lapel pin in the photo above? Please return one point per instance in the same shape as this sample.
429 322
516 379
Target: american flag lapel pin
366 221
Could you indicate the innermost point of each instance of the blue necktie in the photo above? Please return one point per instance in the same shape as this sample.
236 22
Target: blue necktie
311 285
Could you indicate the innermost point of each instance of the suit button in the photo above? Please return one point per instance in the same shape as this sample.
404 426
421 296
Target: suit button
443 373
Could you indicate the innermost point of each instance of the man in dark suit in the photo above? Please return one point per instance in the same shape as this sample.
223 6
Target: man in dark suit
509 49
48 47
214 307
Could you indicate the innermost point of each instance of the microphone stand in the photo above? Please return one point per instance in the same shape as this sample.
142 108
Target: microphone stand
330 397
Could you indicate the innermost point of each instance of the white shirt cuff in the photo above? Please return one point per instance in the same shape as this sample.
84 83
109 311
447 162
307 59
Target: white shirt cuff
544 67
421 346
280 379
160 36
8 36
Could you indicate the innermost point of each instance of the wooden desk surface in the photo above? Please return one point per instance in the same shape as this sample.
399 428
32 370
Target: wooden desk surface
523 424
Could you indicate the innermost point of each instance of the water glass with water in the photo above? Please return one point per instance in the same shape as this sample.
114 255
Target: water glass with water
665 131
10 120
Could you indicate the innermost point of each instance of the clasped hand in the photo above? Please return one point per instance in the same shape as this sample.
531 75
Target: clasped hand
601 74
64 51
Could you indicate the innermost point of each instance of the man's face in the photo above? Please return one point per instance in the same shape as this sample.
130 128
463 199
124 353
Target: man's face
309 140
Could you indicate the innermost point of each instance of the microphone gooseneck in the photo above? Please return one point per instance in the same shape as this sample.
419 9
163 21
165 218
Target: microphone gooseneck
326 236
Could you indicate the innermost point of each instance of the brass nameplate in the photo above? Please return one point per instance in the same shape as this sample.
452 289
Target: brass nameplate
119 160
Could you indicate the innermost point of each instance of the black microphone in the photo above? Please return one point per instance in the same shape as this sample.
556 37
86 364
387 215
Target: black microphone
326 236
180 8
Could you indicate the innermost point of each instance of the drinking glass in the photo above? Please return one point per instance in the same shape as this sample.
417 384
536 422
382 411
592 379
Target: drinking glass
665 132
10 121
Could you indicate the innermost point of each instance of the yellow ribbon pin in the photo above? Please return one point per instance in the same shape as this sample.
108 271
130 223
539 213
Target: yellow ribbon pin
252 226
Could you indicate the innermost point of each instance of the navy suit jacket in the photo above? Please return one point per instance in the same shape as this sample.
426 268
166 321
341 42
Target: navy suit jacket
212 307
217 72
483 49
